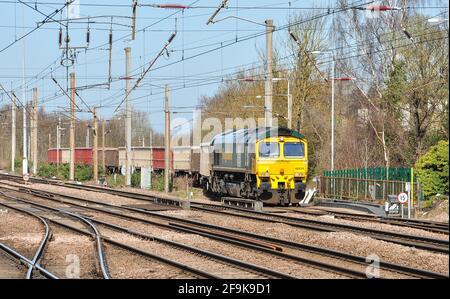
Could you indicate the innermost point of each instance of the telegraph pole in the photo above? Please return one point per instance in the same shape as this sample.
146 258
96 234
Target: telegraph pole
95 154
128 117
269 75
34 130
72 127
13 133
167 140
103 146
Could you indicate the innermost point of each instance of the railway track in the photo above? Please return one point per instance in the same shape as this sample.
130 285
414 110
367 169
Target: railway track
430 226
76 228
257 242
252 271
436 245
32 264
431 244
414 223
98 242
10 266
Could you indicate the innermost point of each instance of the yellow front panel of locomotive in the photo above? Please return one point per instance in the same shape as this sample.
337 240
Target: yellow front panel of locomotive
281 170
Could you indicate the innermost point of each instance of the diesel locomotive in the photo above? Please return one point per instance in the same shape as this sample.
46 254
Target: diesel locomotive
267 164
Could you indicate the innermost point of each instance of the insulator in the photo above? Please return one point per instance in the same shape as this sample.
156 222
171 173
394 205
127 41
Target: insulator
110 38
88 36
60 37
171 37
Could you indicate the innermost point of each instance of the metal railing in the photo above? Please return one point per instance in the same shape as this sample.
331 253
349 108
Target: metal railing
363 189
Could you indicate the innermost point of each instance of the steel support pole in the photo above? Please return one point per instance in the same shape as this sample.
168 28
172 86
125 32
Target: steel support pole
269 74
95 145
289 105
88 137
167 141
103 146
72 127
58 143
25 153
34 131
128 117
332 112
13 133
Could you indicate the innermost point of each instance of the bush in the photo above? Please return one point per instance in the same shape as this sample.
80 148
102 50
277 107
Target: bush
18 166
136 179
158 182
47 170
83 173
120 180
432 170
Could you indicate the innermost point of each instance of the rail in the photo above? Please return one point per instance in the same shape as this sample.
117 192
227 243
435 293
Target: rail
34 263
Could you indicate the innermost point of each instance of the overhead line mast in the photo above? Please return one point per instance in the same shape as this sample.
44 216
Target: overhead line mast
128 117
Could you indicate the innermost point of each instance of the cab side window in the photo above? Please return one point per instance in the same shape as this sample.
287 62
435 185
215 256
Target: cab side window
269 150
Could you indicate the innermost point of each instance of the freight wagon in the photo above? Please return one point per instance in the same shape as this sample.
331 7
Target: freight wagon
148 157
84 156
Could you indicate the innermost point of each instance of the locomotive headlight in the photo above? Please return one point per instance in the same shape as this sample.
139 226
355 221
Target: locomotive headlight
298 174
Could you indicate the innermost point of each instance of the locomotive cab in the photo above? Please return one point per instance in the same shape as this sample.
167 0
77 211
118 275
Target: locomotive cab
281 169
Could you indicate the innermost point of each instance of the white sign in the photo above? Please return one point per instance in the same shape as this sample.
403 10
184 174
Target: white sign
24 166
145 178
407 186
402 198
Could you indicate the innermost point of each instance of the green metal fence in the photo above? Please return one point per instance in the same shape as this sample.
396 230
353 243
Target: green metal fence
371 184
377 173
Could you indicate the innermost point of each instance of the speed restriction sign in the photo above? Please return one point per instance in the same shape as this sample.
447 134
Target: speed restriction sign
402 198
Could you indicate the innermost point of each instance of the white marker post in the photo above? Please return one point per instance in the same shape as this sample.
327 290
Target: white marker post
402 199
408 190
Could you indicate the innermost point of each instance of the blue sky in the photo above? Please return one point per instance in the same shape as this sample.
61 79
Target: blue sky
41 50
43 54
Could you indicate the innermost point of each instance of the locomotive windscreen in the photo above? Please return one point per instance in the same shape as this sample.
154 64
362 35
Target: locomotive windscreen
294 149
